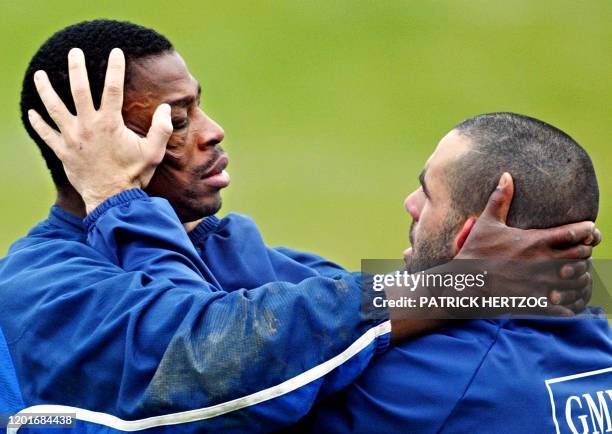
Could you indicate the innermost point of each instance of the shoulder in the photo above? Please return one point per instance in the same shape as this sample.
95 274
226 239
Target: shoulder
457 347
512 378
418 383
47 247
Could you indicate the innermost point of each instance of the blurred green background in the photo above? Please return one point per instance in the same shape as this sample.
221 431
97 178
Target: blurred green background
332 107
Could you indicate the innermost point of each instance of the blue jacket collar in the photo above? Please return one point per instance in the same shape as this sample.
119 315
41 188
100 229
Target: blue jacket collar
60 218
206 226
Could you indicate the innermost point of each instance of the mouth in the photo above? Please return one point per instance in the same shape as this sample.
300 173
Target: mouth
218 166
217 176
411 233
410 250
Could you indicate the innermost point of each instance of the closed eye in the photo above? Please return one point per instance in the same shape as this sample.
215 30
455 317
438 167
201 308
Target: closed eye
425 192
179 124
423 185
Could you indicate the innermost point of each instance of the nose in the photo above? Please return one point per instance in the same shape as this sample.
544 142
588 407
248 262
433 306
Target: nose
414 204
211 132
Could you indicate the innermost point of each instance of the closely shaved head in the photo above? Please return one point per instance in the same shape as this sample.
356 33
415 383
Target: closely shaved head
553 175
554 182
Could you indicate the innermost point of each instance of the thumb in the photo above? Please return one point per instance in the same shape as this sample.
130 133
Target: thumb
499 202
159 133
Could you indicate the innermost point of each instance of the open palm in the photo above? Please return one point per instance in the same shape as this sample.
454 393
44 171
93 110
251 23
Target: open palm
101 156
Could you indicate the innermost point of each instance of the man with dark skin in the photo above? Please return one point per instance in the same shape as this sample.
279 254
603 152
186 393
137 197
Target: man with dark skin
111 153
192 153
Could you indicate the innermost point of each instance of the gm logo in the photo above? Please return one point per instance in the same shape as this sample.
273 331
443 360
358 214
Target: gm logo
582 403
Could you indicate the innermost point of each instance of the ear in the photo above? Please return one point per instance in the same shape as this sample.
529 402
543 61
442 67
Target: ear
462 235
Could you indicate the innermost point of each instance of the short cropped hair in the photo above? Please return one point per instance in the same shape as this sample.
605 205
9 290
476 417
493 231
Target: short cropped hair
554 178
96 38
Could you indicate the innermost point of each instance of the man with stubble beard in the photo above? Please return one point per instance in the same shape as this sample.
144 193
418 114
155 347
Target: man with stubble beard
137 308
508 375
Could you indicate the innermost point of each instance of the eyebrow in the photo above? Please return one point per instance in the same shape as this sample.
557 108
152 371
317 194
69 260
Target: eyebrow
187 100
422 182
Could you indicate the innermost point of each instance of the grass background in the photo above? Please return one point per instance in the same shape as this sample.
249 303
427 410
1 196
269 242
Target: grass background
332 107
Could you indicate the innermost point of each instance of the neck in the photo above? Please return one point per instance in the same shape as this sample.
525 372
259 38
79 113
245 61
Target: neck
189 226
70 201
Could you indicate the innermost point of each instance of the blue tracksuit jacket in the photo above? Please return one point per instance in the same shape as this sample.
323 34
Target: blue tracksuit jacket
134 325
10 396
514 376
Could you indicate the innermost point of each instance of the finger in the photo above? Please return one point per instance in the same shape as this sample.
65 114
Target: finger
52 102
499 202
577 283
549 279
565 298
50 136
159 133
558 310
567 234
587 293
79 83
579 251
577 307
572 269
595 239
112 96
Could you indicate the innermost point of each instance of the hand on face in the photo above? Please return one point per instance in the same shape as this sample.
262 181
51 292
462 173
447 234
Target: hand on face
553 263
192 174
101 156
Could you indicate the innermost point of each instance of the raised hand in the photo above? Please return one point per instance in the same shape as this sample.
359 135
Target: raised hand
101 156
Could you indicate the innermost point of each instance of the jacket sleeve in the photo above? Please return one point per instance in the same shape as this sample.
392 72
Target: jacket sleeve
321 265
234 250
249 352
